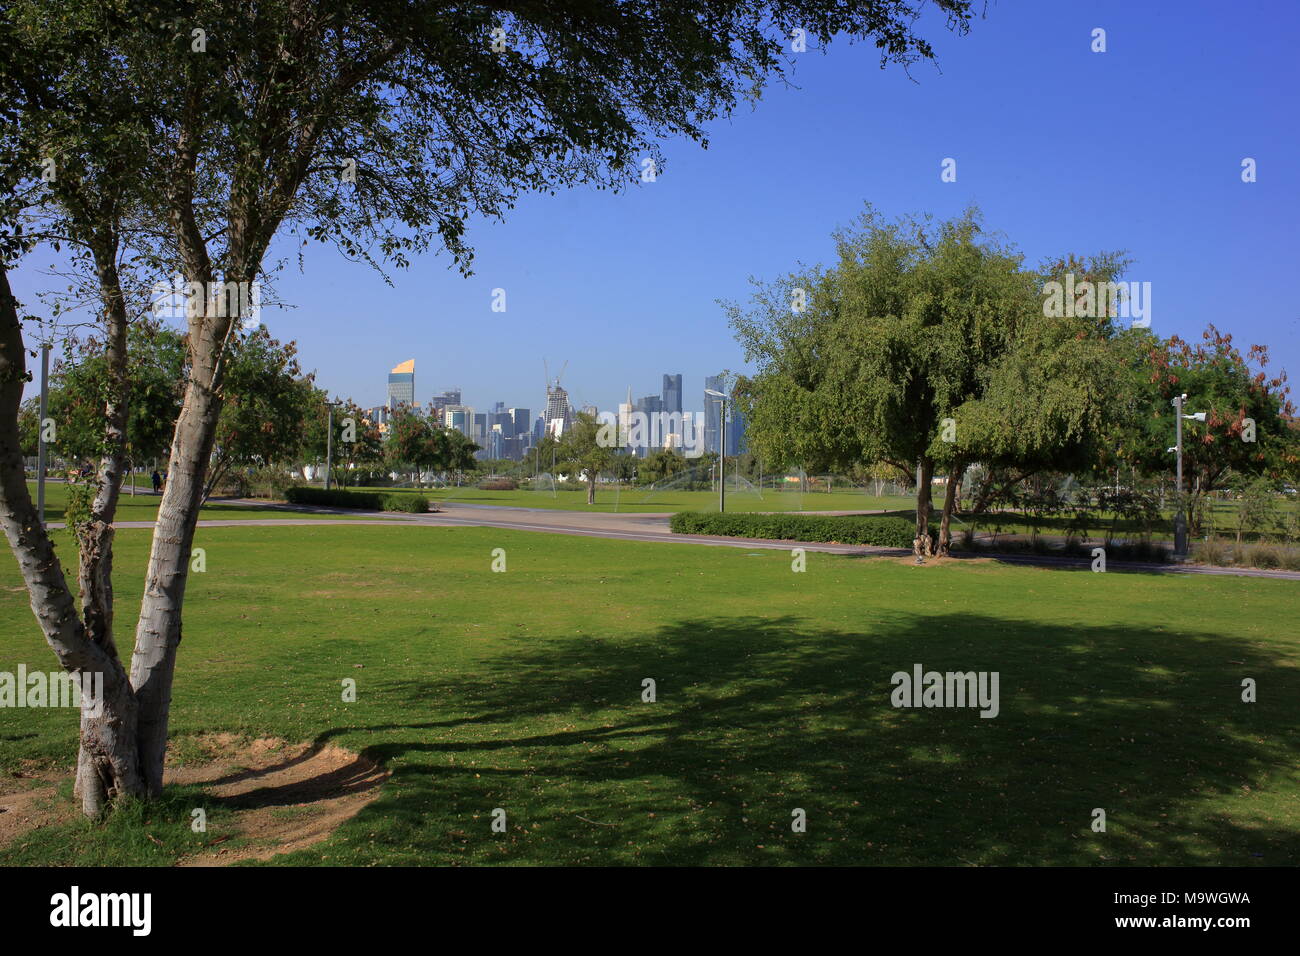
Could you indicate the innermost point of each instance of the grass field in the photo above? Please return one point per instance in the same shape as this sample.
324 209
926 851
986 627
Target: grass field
522 690
616 499
143 506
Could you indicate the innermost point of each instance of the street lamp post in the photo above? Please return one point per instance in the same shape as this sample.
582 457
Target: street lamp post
722 448
1180 519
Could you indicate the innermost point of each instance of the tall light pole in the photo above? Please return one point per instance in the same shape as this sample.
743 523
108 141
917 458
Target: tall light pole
40 445
722 448
1180 519
329 444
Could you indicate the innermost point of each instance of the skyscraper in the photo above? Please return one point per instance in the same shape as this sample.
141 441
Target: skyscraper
558 415
736 444
672 394
712 423
625 420
522 420
401 385
440 402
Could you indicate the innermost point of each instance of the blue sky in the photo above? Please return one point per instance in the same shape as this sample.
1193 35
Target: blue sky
1065 150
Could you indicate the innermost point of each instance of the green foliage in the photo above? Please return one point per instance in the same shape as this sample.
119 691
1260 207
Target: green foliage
422 444
334 498
412 504
267 403
880 532
925 344
1229 387
587 449
81 496
660 465
1256 508
79 391
361 500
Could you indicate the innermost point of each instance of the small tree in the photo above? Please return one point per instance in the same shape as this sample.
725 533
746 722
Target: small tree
268 402
587 448
415 442
1256 507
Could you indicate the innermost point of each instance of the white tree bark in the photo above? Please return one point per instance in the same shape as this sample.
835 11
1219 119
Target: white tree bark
108 766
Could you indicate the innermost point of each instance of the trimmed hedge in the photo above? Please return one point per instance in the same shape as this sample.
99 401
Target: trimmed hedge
361 500
879 532
412 504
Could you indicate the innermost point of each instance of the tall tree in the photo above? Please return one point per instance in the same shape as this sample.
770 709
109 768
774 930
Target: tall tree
870 360
381 127
72 152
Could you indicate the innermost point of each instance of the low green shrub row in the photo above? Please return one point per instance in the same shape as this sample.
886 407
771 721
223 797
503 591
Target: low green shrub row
361 500
880 532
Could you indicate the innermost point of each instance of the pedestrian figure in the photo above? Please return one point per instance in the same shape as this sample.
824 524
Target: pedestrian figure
157 481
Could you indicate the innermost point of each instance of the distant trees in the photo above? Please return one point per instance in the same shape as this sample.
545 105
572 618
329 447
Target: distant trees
660 465
358 442
421 443
268 403
81 388
1248 429
268 400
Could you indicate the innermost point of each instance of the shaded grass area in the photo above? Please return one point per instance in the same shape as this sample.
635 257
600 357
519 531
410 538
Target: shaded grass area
523 691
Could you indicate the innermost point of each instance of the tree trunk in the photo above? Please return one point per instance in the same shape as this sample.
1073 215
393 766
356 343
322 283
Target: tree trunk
591 491
108 762
95 537
922 545
158 632
949 505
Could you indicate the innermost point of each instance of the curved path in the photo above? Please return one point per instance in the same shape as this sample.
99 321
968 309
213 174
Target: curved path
649 527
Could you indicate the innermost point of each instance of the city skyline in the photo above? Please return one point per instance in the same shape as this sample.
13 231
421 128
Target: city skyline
508 431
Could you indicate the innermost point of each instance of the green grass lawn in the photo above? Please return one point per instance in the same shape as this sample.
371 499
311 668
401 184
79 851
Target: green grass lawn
522 690
143 506
615 499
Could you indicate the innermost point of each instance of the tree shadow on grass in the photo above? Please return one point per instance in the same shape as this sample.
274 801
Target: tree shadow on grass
757 717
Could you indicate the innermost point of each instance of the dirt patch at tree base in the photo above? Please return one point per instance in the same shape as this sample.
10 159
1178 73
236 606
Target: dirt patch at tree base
276 797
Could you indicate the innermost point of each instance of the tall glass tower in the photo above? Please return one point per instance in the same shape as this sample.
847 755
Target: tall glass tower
401 385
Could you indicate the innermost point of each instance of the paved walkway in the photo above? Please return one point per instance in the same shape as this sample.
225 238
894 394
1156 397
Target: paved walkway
649 527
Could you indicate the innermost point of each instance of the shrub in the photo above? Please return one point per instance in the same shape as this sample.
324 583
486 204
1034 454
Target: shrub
411 504
362 500
880 532
1212 550
235 484
1150 552
1266 556
334 498
270 482
498 484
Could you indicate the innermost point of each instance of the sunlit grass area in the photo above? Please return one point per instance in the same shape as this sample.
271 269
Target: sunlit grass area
615 498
